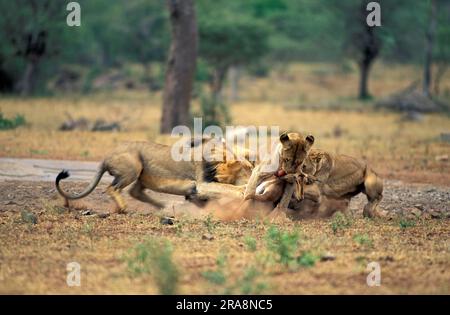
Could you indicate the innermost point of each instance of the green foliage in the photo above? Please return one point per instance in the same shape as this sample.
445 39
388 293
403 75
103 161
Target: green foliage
242 41
28 217
210 224
6 124
283 244
405 223
254 34
307 259
340 222
246 284
363 239
89 230
217 276
250 242
155 258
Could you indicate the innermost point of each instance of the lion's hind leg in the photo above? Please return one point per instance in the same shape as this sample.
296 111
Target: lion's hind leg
125 172
137 191
118 199
373 188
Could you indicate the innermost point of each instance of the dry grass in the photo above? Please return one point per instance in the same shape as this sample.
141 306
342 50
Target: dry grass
414 258
34 257
397 149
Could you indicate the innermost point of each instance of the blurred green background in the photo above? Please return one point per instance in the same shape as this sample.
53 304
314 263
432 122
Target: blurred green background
129 41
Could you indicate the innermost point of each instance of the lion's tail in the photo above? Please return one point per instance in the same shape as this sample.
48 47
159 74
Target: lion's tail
65 174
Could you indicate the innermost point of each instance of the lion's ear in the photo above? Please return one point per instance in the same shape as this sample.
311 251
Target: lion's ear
310 139
284 137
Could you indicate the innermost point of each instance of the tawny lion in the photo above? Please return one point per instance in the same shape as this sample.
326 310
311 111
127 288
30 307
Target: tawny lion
329 176
148 165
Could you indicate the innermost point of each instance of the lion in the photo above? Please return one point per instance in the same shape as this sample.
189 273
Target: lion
341 177
289 156
147 165
331 181
265 184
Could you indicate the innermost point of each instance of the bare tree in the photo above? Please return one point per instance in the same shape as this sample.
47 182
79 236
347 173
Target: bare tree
429 40
180 65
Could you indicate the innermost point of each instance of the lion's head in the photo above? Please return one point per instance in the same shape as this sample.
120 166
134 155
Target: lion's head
294 151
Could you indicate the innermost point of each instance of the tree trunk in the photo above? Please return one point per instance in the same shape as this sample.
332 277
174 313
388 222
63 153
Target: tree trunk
368 44
364 69
6 81
429 39
180 65
234 75
217 82
26 84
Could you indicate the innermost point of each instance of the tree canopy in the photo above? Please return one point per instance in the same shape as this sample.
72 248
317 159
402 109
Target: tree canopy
231 32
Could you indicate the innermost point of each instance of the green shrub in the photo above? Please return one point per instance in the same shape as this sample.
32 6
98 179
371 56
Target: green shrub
307 259
210 224
363 239
283 244
217 276
250 242
339 222
404 223
248 284
6 124
155 258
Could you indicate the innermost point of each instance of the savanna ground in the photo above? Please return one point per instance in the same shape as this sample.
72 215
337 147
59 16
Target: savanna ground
128 253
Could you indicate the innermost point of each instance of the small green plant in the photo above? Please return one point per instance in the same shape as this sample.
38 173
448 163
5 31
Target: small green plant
405 223
179 228
307 259
28 217
6 124
283 244
217 276
250 242
154 257
89 230
363 239
339 222
248 284
210 224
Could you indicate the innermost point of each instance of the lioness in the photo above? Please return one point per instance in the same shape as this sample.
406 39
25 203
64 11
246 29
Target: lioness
265 186
340 176
330 176
150 165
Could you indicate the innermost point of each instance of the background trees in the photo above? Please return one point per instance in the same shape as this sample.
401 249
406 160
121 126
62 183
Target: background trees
180 65
29 34
255 35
